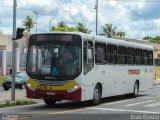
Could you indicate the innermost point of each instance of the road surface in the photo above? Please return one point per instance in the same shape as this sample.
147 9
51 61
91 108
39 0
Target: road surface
146 106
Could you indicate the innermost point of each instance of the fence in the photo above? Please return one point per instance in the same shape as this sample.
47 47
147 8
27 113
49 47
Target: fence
6 61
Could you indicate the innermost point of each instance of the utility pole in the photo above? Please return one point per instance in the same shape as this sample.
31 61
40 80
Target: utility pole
0 24
50 22
36 19
13 51
96 7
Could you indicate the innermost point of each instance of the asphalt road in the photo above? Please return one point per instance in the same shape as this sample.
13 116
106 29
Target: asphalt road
146 106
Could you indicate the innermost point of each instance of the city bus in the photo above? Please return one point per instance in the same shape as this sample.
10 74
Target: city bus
83 67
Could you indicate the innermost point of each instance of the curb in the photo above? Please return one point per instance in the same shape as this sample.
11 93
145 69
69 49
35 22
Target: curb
20 106
156 82
9 104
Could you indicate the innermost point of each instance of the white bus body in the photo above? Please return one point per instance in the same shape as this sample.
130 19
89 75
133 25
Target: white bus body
117 67
114 78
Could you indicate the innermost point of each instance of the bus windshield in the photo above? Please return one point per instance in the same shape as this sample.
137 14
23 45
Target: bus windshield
54 58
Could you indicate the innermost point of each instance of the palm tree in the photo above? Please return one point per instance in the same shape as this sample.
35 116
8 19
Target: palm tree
62 24
121 34
82 28
108 30
28 23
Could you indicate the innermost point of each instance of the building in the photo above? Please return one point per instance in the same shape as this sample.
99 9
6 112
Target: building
6 54
6 42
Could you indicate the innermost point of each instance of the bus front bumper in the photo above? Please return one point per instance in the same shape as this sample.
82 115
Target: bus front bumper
54 94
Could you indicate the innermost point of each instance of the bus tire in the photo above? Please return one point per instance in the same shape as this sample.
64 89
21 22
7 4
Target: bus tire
49 102
97 95
136 90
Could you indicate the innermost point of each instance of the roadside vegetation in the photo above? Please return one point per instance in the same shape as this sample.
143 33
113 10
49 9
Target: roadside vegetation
157 72
16 103
153 39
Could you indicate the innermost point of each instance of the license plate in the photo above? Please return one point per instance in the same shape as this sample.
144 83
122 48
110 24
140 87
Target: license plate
44 87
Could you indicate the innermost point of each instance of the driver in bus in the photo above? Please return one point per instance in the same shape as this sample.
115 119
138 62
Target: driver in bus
66 60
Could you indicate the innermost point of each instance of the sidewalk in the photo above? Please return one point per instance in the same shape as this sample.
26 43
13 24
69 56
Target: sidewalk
19 95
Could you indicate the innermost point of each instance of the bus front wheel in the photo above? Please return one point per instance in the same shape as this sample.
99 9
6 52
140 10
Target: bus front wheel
97 95
49 102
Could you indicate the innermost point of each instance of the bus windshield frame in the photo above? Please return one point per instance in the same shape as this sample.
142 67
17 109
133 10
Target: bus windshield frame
49 56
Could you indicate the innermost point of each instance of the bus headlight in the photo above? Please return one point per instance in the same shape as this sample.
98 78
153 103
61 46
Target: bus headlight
76 87
30 87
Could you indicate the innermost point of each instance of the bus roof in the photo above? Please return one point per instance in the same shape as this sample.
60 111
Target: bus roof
105 39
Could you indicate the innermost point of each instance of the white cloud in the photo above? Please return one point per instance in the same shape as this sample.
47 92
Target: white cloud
137 19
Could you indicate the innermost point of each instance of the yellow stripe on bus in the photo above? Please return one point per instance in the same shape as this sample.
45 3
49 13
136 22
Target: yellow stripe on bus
66 86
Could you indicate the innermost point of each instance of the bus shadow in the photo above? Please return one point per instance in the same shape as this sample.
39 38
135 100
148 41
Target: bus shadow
78 105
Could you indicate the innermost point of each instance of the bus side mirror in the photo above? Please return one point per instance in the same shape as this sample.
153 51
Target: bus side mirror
19 34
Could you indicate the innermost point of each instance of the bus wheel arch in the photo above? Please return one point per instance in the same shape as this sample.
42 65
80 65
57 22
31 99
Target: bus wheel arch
136 89
97 94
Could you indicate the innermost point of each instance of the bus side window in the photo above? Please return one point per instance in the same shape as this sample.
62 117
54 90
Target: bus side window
130 56
145 56
88 56
150 57
138 56
100 53
111 54
121 56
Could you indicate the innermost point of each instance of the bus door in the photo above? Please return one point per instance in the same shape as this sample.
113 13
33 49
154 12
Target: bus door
88 65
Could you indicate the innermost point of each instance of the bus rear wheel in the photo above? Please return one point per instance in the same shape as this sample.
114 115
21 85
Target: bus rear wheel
136 90
97 95
49 102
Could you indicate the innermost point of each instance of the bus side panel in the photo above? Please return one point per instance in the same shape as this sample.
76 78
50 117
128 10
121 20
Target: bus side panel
149 77
122 79
102 74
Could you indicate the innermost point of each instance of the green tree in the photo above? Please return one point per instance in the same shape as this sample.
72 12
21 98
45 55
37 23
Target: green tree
147 38
108 30
65 29
121 34
152 39
62 24
28 23
82 28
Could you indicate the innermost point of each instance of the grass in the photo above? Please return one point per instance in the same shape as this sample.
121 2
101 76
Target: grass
16 103
2 78
157 72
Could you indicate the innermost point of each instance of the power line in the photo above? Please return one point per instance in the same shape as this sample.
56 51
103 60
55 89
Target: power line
136 13
135 0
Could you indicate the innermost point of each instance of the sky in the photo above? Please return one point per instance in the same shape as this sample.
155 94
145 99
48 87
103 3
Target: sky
137 18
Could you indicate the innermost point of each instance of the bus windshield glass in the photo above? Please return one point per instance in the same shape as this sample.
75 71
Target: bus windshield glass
54 56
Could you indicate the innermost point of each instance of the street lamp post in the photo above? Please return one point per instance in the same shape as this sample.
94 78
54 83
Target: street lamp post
50 21
36 19
96 7
13 51
0 24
